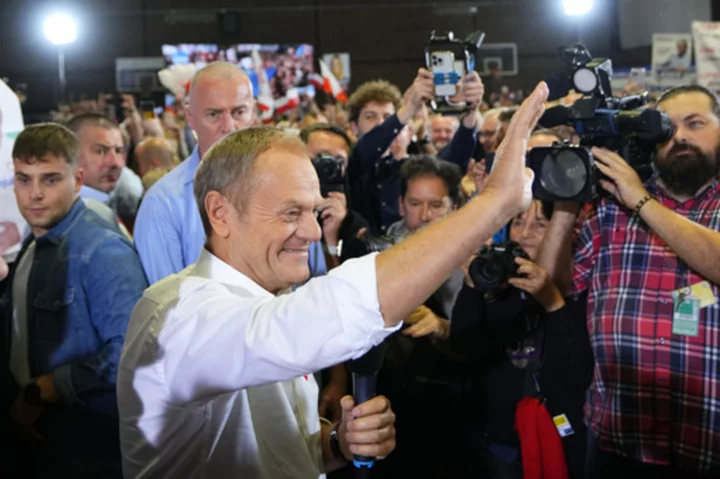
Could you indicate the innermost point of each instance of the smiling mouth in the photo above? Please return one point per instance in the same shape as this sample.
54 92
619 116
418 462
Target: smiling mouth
296 251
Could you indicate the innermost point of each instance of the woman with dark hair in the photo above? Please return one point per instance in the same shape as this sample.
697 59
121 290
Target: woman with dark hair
524 340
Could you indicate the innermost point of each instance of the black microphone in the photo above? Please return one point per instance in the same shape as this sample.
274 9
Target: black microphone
556 116
364 377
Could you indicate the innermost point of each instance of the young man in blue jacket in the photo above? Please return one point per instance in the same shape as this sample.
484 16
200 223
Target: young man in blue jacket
65 313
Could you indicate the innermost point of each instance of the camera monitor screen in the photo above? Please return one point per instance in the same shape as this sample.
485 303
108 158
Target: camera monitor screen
286 66
185 53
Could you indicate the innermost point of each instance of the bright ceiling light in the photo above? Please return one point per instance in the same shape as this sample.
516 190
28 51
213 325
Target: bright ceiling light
60 29
577 7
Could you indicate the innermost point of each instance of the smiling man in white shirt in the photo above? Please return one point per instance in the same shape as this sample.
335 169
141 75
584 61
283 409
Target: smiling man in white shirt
215 377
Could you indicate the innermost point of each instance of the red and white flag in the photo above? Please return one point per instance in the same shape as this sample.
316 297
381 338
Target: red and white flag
331 85
317 80
288 102
265 102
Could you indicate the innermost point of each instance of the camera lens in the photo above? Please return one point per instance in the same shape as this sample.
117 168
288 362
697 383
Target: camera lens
564 175
487 272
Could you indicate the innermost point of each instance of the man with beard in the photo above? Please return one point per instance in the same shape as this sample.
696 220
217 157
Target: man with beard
649 260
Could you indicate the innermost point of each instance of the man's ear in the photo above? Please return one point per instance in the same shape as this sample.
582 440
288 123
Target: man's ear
401 207
79 175
189 116
218 210
354 128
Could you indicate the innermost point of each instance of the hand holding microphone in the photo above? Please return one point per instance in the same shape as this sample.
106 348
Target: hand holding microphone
367 431
369 428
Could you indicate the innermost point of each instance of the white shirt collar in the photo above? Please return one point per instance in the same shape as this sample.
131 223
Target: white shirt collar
89 192
211 267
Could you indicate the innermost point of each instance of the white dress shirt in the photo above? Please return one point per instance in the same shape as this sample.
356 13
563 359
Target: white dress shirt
215 379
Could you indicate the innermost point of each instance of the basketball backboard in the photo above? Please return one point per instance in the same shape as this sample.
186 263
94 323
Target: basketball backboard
493 57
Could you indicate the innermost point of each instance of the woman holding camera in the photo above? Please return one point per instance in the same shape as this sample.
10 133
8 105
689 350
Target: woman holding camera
524 340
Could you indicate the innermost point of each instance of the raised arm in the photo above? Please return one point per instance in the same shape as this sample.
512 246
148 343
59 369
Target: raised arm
411 271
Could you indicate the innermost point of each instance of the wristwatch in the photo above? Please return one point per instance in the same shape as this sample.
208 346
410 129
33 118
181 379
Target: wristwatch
31 394
335 444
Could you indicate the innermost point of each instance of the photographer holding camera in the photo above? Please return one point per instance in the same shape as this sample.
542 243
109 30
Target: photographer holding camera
648 258
379 117
523 340
329 148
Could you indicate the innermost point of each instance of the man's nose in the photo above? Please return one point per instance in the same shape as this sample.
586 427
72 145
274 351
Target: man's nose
309 229
37 193
681 134
116 159
228 125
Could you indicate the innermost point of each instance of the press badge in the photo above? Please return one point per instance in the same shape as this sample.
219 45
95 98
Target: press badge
686 315
563 425
687 303
701 291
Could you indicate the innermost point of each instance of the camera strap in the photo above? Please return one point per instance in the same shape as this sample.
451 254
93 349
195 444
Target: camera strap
531 387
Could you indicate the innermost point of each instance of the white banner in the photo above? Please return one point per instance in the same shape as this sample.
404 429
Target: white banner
12 224
706 36
671 53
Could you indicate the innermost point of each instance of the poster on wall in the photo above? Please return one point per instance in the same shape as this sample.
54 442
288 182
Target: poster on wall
12 224
339 64
706 36
671 54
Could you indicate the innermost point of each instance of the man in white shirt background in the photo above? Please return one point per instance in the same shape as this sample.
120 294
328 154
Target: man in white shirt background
215 377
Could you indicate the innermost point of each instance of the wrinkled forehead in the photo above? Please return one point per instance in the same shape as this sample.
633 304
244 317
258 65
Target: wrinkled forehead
286 172
687 104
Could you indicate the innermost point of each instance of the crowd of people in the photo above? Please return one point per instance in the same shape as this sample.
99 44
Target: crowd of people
191 290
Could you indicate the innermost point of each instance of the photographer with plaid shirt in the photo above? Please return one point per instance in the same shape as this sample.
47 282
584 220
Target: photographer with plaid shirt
654 403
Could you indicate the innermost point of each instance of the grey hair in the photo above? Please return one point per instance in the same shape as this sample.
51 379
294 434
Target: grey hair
228 166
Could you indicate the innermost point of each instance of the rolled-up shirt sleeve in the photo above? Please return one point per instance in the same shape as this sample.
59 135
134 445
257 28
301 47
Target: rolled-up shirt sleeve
219 339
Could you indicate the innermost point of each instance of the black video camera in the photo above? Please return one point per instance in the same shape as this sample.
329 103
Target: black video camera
449 60
331 172
494 265
568 173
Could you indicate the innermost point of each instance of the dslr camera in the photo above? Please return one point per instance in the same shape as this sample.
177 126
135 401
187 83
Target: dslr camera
331 172
565 172
449 59
494 265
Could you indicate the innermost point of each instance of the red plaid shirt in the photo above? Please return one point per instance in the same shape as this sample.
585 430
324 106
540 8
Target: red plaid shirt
655 396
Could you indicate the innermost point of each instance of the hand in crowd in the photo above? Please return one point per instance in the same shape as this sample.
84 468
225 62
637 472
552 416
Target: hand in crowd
510 181
368 429
25 416
4 270
421 91
9 235
330 398
479 174
332 212
625 184
425 323
471 90
537 282
421 122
